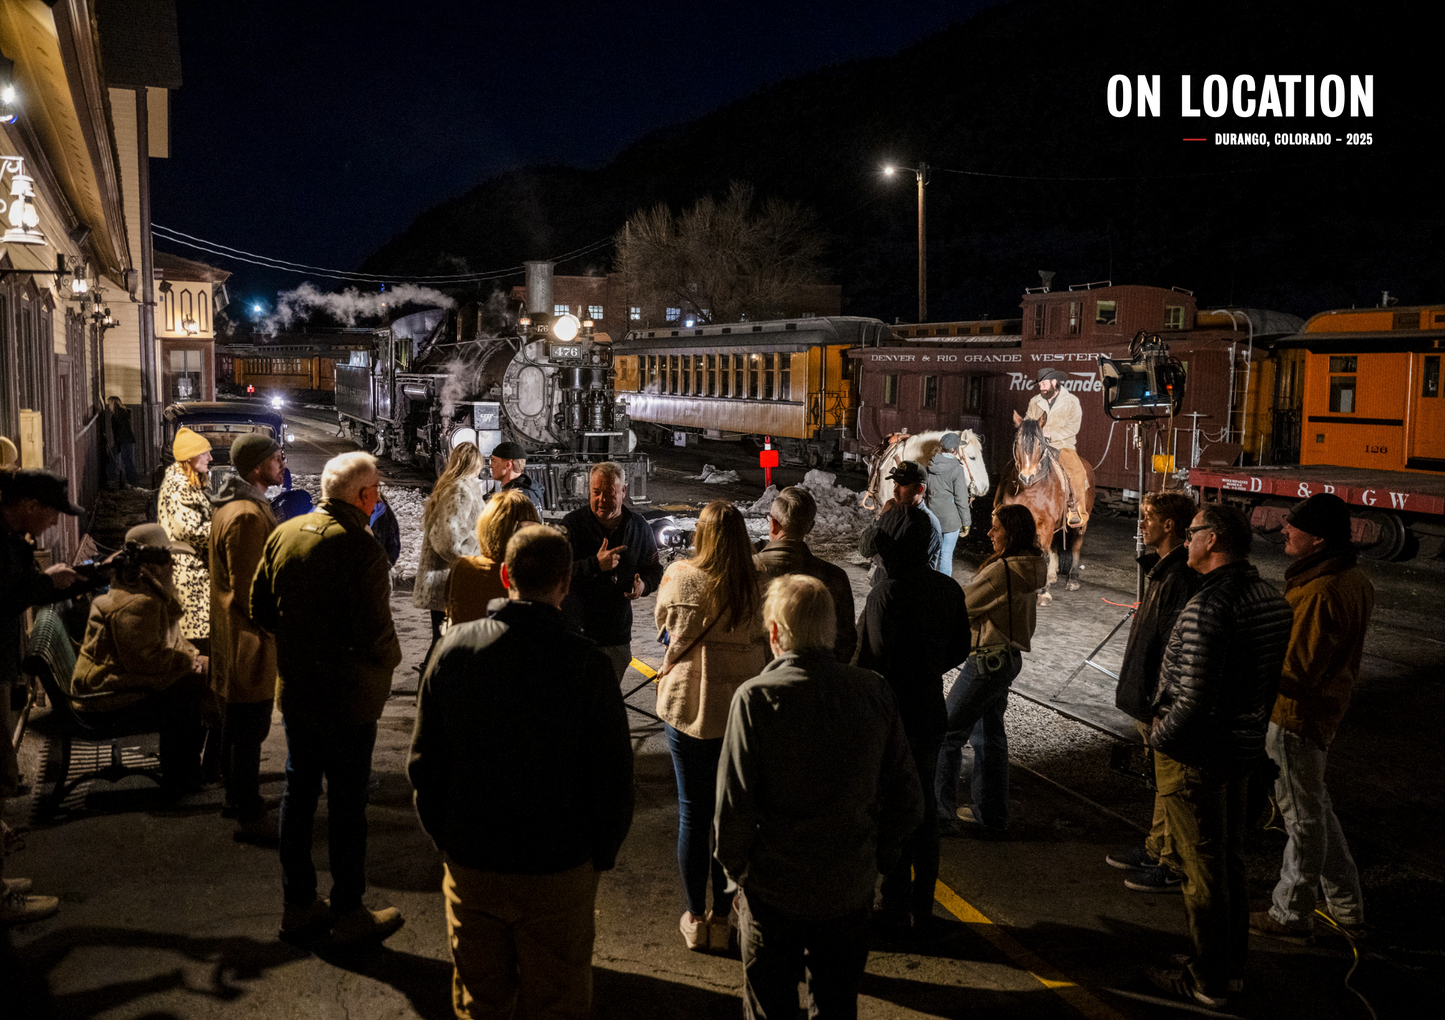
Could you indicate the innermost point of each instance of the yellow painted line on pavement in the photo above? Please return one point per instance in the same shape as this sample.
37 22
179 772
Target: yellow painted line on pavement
647 671
1080 998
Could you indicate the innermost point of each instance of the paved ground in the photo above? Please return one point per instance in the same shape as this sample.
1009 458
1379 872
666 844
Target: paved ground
165 916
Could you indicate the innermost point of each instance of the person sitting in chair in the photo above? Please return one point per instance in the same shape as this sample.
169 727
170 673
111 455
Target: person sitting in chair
1060 415
134 650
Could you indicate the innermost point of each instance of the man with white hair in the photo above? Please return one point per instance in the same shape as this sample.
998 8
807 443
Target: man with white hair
789 521
817 792
323 589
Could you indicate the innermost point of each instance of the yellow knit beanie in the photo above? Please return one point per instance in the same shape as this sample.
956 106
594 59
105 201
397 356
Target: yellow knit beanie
189 444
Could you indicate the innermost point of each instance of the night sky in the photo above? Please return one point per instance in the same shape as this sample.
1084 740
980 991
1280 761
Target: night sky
313 132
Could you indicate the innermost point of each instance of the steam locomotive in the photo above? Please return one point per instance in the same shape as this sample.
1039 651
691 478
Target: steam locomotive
435 379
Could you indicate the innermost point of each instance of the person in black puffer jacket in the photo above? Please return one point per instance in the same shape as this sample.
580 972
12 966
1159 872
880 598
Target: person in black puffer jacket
1217 685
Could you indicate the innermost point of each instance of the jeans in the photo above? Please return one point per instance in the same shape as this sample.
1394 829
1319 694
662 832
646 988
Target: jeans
244 728
695 761
343 755
976 706
779 951
521 942
122 465
909 885
1316 853
1206 819
945 559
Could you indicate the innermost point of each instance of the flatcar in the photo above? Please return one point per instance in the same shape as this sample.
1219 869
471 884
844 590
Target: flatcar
1357 395
788 379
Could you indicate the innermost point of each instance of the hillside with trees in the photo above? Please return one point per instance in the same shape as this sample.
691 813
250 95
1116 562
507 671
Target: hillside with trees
1015 98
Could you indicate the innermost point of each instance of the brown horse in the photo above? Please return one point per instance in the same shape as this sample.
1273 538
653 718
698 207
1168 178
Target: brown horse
1036 480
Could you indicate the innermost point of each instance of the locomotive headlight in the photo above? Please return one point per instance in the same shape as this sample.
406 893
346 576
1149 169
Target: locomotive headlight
566 327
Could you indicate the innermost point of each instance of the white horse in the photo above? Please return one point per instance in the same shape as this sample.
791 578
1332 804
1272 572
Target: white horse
921 449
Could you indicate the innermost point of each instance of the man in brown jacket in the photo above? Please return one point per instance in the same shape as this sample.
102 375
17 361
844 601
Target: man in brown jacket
1332 600
789 521
243 664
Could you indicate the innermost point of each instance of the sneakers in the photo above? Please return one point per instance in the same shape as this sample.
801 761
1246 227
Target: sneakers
1354 930
363 925
303 923
1136 858
1158 879
1180 983
719 932
1262 922
22 908
694 932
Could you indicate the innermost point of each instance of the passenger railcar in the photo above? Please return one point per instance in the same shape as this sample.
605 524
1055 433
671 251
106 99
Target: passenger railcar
296 369
788 379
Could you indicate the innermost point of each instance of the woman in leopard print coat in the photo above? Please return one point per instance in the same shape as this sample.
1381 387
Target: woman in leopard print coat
185 512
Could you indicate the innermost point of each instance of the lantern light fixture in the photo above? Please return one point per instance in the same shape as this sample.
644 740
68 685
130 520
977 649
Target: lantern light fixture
190 326
20 211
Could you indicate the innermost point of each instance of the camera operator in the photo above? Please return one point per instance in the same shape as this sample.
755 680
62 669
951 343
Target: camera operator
134 651
30 504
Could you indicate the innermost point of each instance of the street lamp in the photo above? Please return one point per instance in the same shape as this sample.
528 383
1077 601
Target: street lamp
921 172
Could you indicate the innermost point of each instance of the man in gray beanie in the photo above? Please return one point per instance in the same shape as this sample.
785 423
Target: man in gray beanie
243 656
1331 599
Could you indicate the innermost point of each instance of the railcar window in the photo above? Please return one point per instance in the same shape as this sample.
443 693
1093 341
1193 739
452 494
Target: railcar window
768 375
1430 382
650 376
739 367
1344 364
1342 393
673 364
1039 319
930 391
686 373
697 375
753 368
975 392
1173 316
1106 313
785 377
890 390
1075 317
712 375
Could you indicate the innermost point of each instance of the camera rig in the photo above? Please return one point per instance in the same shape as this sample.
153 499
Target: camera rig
1147 386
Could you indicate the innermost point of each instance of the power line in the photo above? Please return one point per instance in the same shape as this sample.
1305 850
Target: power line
303 269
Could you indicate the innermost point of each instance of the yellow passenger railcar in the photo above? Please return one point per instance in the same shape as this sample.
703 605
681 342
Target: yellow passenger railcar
786 378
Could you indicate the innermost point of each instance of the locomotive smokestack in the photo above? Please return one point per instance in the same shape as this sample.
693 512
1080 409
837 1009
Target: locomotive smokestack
539 286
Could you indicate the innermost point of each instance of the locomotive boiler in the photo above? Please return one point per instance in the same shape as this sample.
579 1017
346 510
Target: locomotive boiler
436 378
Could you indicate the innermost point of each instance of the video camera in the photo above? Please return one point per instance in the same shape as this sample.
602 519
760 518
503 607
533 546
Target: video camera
133 555
1147 386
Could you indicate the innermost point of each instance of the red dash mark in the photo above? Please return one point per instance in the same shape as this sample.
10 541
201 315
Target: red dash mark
1196 139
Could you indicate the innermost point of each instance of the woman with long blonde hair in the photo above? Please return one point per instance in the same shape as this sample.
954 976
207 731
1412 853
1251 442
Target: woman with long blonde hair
448 524
476 580
710 608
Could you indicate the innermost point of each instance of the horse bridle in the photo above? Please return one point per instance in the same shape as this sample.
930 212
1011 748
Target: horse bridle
1029 479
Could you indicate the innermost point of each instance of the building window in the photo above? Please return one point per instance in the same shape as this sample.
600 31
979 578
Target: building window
1342 387
975 393
561 309
1173 316
930 391
1075 317
634 312
785 377
673 314
594 312
890 391
704 315
1039 319
185 375
1105 313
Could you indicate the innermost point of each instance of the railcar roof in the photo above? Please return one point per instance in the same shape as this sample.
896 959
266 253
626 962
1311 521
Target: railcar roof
775 334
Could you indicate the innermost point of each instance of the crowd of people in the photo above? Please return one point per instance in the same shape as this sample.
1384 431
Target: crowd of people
814 750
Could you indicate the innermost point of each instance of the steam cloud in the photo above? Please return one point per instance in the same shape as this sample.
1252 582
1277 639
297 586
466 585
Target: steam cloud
293 306
463 378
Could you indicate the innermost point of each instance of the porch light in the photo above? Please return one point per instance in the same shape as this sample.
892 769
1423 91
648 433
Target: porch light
190 326
20 212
